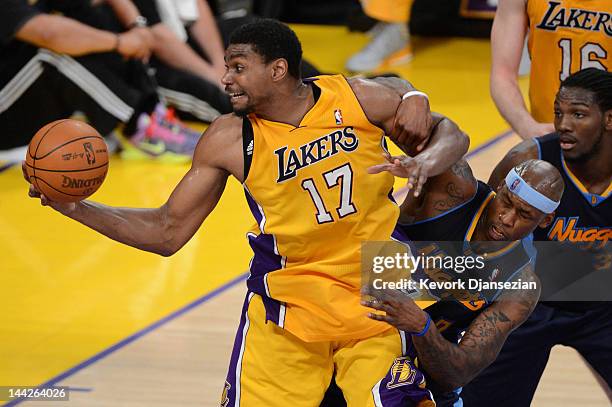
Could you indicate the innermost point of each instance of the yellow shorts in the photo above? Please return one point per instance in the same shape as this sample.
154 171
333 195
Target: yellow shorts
390 11
271 367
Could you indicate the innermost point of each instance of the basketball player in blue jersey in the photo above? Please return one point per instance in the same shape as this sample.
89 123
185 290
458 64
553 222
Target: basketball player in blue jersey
455 207
302 151
581 149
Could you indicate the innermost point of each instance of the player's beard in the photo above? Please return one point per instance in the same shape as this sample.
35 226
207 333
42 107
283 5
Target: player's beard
244 111
588 155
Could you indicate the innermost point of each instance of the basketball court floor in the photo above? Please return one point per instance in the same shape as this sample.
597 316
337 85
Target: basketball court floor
121 327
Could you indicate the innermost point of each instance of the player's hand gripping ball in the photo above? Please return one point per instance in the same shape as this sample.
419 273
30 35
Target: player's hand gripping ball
67 160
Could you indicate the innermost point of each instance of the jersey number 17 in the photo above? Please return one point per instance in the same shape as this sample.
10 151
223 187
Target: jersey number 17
342 176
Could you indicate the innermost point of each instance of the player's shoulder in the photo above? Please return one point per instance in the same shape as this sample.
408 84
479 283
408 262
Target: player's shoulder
225 129
364 86
230 124
221 141
525 150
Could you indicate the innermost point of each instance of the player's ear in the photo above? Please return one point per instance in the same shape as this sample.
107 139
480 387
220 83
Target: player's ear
608 119
280 69
501 185
544 223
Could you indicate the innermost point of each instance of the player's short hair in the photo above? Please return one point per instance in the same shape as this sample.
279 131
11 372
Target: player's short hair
272 40
595 80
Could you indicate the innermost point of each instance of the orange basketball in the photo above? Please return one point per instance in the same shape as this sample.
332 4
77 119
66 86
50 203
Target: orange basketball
67 160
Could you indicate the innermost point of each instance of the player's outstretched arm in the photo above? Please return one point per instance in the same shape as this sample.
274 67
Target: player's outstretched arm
507 39
166 229
447 145
522 152
405 121
450 365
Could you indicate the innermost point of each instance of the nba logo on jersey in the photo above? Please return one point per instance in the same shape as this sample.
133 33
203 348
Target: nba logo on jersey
338 116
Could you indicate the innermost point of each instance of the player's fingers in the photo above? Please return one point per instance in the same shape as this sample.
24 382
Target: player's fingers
403 138
393 296
395 130
375 169
414 176
420 183
44 201
385 306
422 145
374 304
33 192
400 158
378 317
24 171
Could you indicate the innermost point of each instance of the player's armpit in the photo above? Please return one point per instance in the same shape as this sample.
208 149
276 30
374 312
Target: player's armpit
526 150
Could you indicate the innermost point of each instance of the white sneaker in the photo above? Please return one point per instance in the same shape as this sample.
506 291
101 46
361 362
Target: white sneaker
390 45
13 155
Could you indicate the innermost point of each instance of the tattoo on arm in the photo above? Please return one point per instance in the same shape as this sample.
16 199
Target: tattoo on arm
454 196
452 365
462 169
456 190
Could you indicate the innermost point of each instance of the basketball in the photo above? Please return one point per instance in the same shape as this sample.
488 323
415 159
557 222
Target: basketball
67 160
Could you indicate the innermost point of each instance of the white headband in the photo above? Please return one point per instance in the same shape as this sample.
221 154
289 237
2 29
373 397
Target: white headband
518 186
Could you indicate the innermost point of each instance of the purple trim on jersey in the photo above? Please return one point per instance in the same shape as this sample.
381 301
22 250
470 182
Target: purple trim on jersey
235 365
253 207
390 195
273 308
264 261
398 234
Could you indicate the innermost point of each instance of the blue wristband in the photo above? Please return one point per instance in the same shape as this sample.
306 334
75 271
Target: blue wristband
425 329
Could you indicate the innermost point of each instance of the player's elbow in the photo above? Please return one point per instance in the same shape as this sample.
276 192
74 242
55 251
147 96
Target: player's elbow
169 244
453 382
170 239
463 142
446 385
165 252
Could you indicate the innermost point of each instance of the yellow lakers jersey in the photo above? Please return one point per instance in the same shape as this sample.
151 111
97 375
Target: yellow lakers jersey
565 36
314 204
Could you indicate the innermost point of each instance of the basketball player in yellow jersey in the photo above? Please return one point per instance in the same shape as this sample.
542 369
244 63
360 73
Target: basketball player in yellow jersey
301 151
565 36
